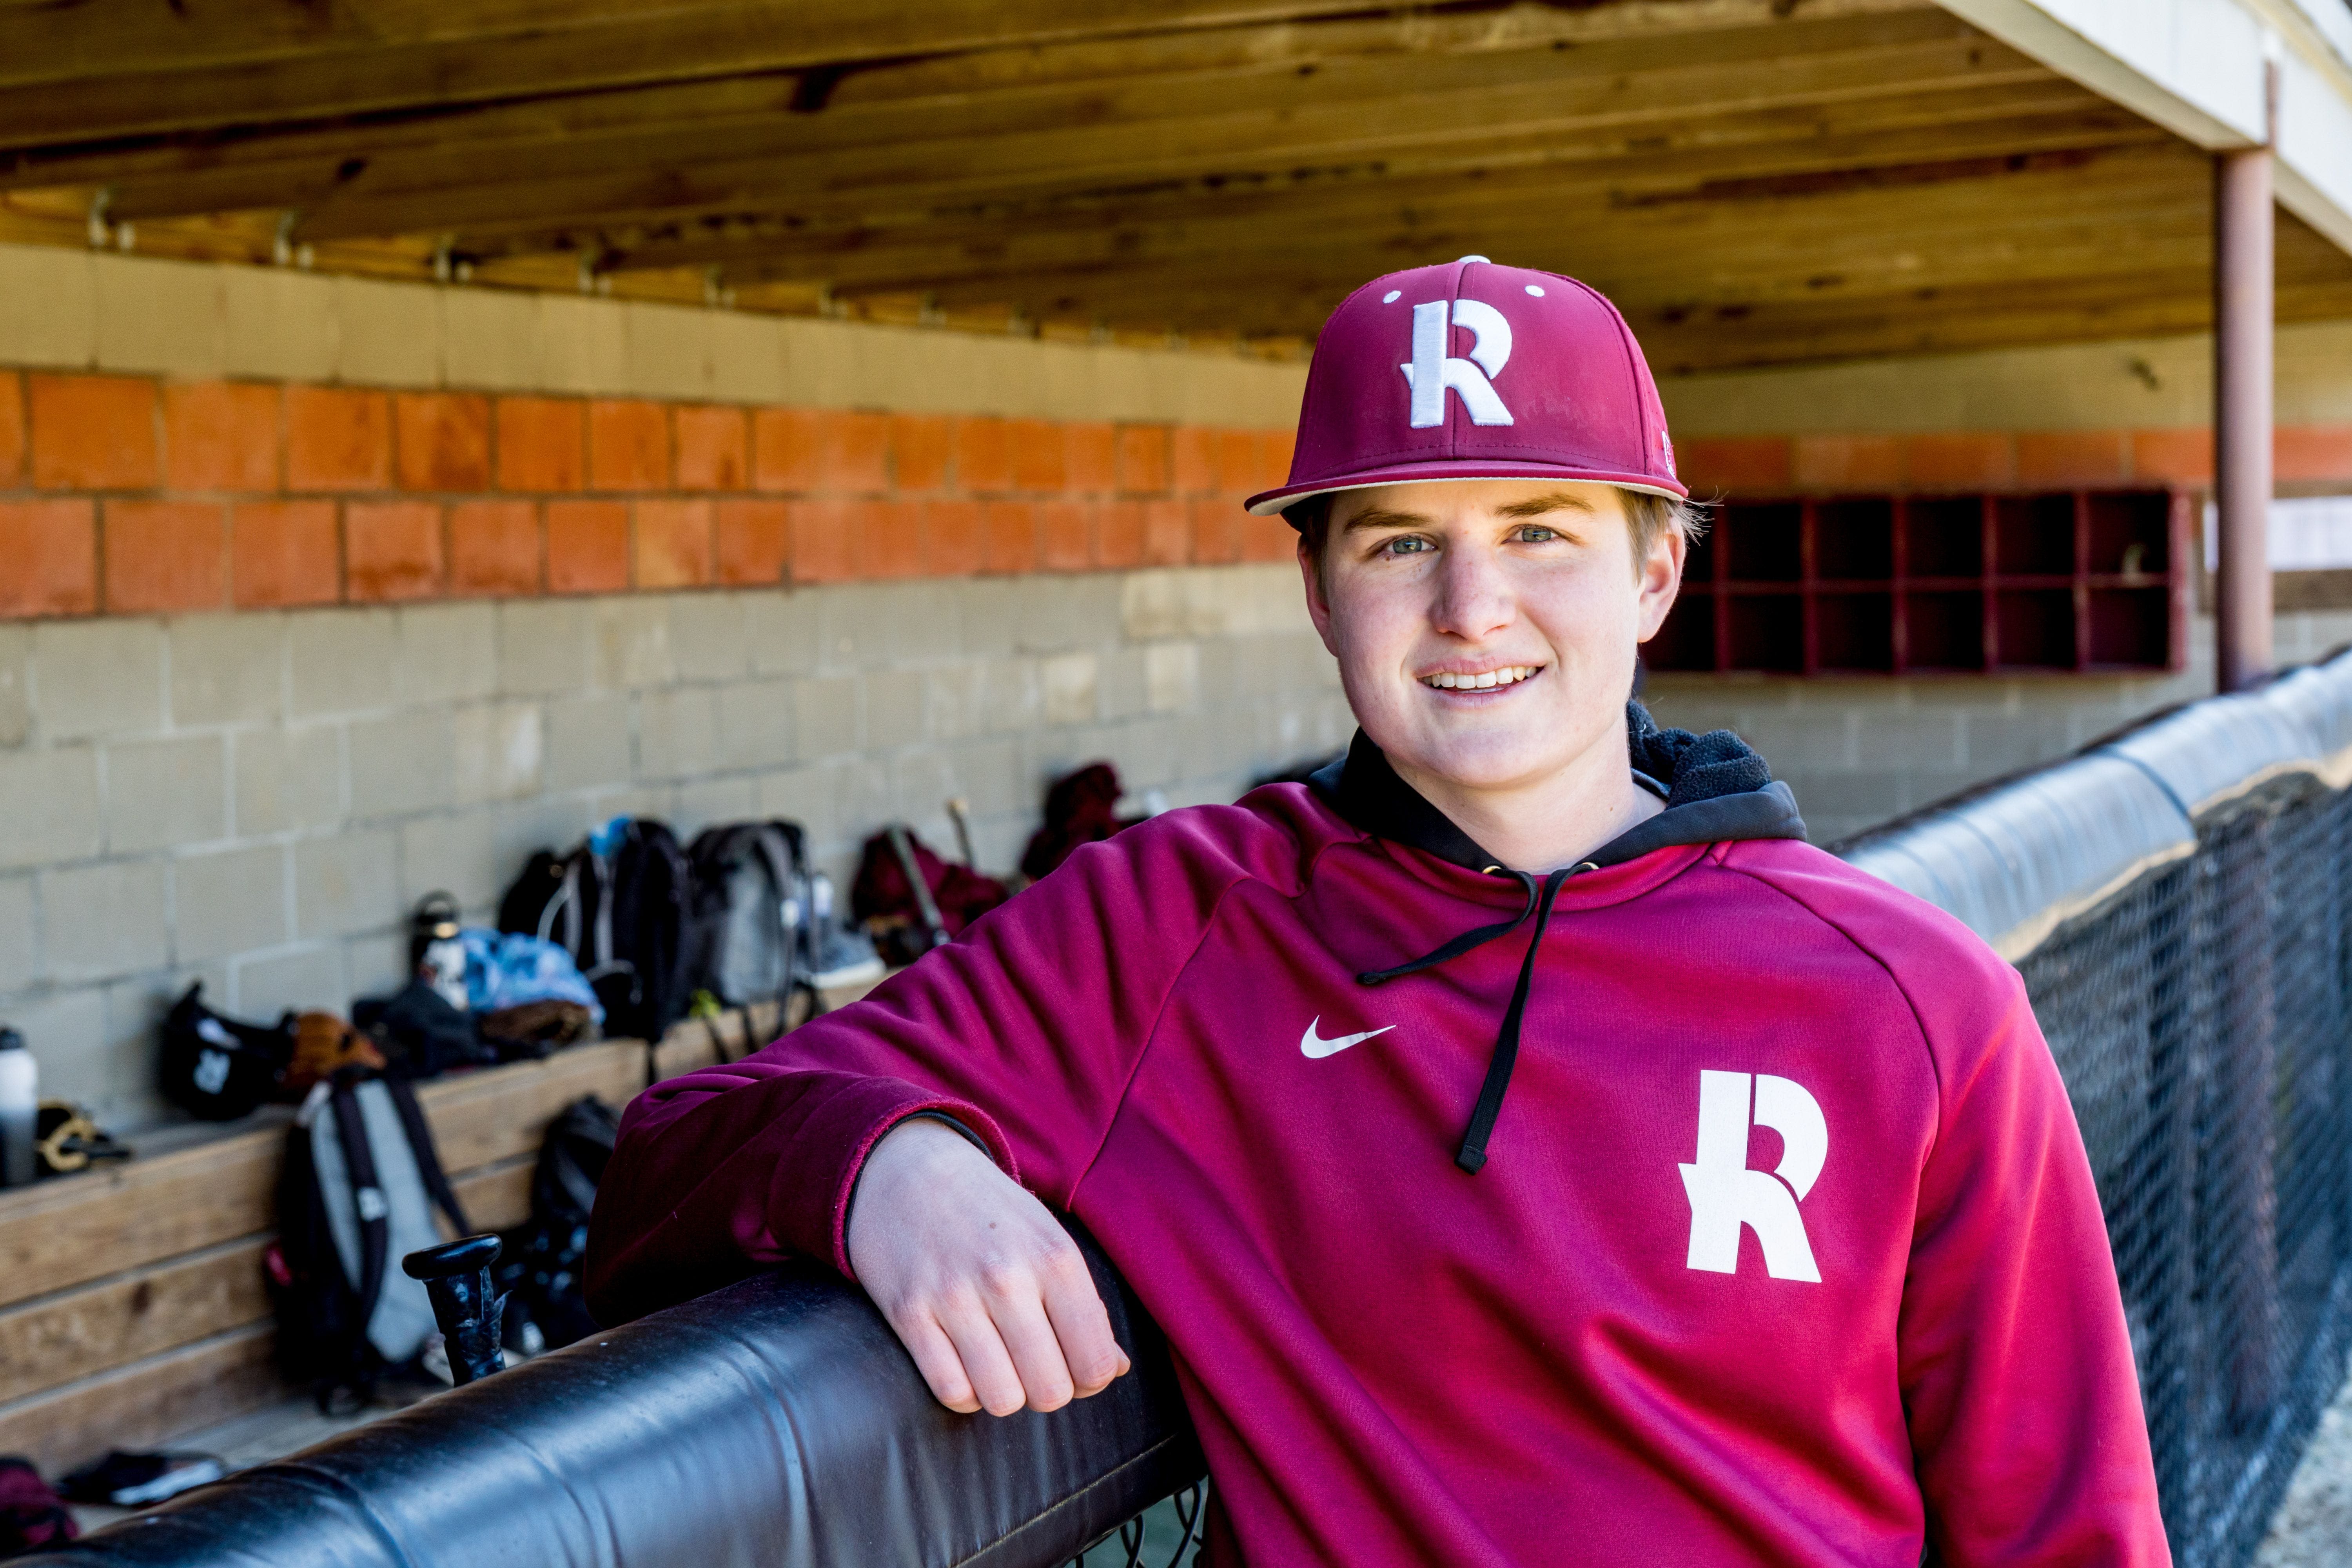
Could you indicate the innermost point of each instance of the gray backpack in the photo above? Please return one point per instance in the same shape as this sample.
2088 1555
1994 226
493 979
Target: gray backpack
746 902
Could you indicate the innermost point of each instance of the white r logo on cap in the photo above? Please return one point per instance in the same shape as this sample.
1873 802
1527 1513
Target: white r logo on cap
1434 370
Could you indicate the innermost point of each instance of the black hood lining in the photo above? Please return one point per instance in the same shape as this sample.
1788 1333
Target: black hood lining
1714 788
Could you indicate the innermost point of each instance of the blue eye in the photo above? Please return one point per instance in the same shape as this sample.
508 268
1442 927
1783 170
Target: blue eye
1535 534
1405 545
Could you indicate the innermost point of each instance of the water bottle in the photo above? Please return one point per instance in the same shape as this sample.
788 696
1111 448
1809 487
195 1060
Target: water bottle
20 1109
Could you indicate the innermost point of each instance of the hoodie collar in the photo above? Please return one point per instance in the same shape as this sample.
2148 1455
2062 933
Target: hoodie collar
1714 788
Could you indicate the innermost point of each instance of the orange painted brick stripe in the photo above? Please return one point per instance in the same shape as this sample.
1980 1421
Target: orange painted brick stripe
130 495
2309 454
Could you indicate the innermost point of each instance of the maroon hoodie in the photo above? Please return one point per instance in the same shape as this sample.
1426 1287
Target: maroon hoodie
1708 1203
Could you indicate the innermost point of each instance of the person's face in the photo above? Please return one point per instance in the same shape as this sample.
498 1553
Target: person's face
1485 628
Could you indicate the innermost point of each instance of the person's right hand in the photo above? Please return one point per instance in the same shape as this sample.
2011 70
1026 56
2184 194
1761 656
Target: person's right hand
985 1289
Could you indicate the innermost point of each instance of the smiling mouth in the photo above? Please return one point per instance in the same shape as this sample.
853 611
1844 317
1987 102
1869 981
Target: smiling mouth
1484 680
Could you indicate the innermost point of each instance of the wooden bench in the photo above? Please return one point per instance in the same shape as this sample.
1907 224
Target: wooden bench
131 1304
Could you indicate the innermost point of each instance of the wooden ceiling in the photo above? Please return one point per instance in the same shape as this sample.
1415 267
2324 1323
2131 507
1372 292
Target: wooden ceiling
1755 181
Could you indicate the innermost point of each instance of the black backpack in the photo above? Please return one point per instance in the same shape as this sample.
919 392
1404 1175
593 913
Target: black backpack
745 905
543 1261
355 1195
214 1067
621 916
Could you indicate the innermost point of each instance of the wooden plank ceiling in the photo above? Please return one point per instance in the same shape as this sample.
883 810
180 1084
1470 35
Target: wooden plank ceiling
1755 182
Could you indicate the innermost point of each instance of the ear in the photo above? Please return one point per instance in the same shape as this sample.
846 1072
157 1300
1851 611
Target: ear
1659 579
1319 603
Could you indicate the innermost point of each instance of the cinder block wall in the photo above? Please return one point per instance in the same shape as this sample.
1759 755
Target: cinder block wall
254 799
318 594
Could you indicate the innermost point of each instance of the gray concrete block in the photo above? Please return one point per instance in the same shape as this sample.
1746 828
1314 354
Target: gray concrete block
347 885
402 763
160 316
489 340
15 684
896 700
19 959
103 920
1171 677
1865 796
921 784
1998 742
783 630
588 742
284 780
954 699
677 733
343 661
1068 684
579 346
448 653
1152 605
710 635
52 805
1011 698
1060 613
707 802
48 306
755 725
228 669
989 774
802 794
267 984
628 640
66 1031
125 1051
98 677
1810 743
375 966
872 625
229 903
455 852
1918 740
827 720
992 608
166 793
542 648
278 323
1122 688
499 752
389 333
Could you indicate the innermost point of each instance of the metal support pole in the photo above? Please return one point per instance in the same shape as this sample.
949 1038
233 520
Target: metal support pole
2242 229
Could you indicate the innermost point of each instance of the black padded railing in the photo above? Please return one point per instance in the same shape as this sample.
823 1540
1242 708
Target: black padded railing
773 1423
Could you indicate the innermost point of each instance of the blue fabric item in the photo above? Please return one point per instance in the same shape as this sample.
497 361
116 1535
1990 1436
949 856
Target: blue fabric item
605 841
506 970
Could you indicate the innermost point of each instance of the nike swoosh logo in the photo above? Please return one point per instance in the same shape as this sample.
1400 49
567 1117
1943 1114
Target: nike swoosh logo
1315 1049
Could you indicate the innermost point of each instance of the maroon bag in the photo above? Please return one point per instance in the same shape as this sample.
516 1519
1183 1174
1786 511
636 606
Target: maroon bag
31 1515
1080 808
882 892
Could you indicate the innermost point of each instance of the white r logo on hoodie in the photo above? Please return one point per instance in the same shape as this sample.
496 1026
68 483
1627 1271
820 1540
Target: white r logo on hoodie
1725 1194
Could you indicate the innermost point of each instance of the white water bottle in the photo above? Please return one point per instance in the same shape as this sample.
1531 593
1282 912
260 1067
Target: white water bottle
20 1109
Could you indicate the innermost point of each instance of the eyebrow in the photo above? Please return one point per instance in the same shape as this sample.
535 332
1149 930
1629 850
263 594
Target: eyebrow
1534 506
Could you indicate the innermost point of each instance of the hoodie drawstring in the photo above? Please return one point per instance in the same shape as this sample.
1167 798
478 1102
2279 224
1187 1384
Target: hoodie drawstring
1541 894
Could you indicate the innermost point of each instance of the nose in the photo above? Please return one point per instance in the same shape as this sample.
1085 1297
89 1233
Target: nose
1474 594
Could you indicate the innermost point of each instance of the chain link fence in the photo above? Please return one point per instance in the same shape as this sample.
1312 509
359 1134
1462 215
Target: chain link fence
2175 899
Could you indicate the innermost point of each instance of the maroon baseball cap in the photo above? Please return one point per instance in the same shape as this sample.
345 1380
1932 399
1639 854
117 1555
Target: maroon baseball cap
1471 371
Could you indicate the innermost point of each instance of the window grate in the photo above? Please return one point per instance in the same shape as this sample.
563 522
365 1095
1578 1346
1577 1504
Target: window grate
2062 580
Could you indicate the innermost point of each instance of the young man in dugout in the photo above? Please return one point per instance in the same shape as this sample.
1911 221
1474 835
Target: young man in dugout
1534 1149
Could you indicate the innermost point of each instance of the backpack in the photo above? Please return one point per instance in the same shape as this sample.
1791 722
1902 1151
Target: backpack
216 1069
747 898
32 1515
355 1195
545 1259
957 895
619 909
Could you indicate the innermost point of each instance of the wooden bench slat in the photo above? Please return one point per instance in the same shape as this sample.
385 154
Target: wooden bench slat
146 1402
101 1327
